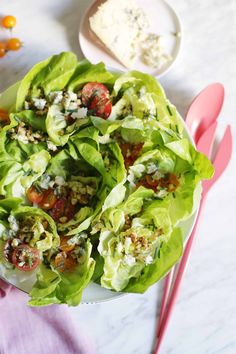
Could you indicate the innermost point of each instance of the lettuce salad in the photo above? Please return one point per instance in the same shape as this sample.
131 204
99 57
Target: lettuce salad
96 174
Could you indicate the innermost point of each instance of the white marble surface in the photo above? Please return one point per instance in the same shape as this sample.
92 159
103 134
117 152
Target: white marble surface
204 320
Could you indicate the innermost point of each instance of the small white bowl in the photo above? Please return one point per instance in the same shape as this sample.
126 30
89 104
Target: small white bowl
163 20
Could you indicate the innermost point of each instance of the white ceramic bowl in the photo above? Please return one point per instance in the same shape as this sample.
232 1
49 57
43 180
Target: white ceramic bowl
93 293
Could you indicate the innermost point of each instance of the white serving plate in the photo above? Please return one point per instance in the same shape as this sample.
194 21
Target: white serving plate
163 21
94 293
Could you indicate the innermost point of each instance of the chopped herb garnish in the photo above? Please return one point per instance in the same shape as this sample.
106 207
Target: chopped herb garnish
28 173
169 110
38 188
155 253
177 128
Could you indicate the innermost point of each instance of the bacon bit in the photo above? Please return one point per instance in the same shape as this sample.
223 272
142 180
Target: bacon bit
64 262
170 182
130 152
64 245
69 119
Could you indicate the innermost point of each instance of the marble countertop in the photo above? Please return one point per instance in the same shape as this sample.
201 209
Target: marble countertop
204 320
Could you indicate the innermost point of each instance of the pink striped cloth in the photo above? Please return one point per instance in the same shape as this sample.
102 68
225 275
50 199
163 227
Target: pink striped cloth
45 330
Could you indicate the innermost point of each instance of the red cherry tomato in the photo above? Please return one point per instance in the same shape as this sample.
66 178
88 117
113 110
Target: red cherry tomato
62 208
96 97
35 195
92 89
25 258
64 262
101 107
49 199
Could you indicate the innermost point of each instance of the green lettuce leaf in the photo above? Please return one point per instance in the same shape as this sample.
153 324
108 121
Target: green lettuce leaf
52 74
168 254
94 73
54 287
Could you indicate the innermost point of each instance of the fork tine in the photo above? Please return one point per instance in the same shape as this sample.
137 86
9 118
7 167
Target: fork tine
206 141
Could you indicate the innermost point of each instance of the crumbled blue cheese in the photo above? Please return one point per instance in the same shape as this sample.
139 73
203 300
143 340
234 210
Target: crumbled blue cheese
13 223
45 181
56 97
151 167
135 172
20 136
59 180
148 260
158 175
152 51
105 139
70 100
80 113
129 260
39 103
161 193
51 146
72 106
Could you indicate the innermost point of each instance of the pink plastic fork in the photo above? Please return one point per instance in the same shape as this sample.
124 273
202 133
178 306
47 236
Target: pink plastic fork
202 112
220 163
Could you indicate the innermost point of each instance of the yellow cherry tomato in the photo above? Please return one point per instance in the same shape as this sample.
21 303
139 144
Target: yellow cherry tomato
2 49
9 22
14 44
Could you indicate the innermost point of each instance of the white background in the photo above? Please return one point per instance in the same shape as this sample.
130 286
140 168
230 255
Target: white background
204 320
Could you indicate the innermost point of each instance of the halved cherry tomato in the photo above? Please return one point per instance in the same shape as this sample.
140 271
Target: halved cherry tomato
8 251
64 262
49 199
9 21
35 195
25 258
62 208
101 107
64 246
96 97
4 116
130 152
